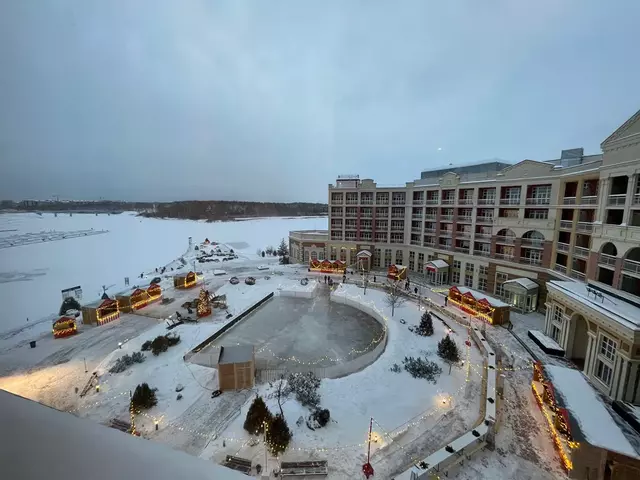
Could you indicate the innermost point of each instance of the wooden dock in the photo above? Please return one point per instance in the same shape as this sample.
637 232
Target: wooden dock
45 236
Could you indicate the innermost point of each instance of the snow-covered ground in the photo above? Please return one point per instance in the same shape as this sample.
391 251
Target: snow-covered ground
32 276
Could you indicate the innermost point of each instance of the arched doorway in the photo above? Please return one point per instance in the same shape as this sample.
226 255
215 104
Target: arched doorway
578 340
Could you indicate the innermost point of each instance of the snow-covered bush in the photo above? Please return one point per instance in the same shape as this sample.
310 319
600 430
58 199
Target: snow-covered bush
146 346
305 387
144 397
162 343
69 303
126 361
395 368
421 368
321 416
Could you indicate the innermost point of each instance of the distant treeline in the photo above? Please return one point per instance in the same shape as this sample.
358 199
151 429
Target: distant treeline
225 210
211 210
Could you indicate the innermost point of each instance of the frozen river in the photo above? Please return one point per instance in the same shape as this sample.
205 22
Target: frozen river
32 276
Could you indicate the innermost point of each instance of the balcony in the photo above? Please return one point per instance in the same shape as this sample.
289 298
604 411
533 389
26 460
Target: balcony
397 240
336 237
418 201
350 238
538 201
416 229
531 260
462 249
505 240
352 202
381 239
429 217
416 216
463 234
446 218
589 200
532 242
431 201
616 200
485 219
636 199
563 247
631 266
504 256
397 215
509 201
351 214
429 230
366 226
336 201
444 246
465 218
581 252
586 227
566 224
415 242
398 201
430 244
366 201
381 201
350 227
465 201
560 268
482 253
486 201
397 228
482 235
446 233
448 201
569 201
578 275
608 260
366 215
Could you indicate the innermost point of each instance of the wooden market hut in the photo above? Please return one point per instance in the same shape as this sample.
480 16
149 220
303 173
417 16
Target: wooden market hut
236 367
397 272
479 305
327 266
98 313
185 280
139 298
64 327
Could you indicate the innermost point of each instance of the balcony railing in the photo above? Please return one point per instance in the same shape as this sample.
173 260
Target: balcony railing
381 201
588 200
336 237
465 218
397 228
398 201
563 247
531 260
416 229
636 199
429 216
418 201
504 256
538 201
585 227
366 215
366 226
605 259
381 239
484 219
416 216
336 201
352 202
581 252
430 244
397 240
462 249
443 246
509 201
446 218
578 275
631 266
618 199
431 201
415 242
482 253
351 238
366 202
397 215
351 214
487 201
560 268
482 235
446 233
429 230
448 201
350 226
506 240
569 201
532 242
465 201
566 224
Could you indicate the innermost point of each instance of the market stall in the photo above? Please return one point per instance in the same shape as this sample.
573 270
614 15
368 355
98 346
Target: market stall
479 305
327 266
98 313
139 298
397 272
64 327
185 280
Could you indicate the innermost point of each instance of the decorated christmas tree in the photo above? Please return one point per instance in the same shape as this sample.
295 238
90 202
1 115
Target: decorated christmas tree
204 308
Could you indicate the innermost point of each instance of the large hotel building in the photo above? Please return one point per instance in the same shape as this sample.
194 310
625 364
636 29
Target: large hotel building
567 230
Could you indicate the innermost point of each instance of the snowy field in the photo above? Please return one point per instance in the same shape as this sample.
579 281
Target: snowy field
32 276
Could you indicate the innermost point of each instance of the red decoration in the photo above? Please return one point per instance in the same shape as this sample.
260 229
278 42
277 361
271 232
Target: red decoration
367 469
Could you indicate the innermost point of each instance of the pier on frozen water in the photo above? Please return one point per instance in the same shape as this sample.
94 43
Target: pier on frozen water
45 236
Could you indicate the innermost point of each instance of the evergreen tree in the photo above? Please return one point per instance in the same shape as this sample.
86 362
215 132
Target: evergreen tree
69 303
283 249
426 325
278 435
144 397
257 415
448 351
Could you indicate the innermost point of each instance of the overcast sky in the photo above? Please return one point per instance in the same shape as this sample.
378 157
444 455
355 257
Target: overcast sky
270 100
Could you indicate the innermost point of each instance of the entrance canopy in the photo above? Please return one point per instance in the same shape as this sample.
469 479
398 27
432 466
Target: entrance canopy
364 254
436 265
520 285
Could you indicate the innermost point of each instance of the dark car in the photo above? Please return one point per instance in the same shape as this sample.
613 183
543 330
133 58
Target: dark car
234 281
216 393
156 280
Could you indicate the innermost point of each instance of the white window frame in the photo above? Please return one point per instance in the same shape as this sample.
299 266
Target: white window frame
603 378
607 348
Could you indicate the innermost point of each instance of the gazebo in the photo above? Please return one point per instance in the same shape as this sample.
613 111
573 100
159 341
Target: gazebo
437 271
522 294
185 280
479 305
364 260
100 312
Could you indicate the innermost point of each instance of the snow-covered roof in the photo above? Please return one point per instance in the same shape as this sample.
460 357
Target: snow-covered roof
31 432
364 253
587 414
480 295
235 354
525 283
438 263
617 309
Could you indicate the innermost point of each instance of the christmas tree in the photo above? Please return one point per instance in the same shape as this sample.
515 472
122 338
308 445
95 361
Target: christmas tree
426 325
257 416
278 435
448 350
204 308
144 397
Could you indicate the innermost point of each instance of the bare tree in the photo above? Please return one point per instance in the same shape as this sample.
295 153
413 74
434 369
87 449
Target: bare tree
395 296
365 281
281 394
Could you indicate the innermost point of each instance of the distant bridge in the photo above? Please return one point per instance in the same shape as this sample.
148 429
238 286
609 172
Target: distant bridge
41 237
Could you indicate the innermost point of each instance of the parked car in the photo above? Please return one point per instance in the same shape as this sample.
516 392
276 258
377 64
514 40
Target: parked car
216 393
234 281
250 281
156 280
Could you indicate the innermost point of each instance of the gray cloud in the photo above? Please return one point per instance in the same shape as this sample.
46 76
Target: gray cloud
164 100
